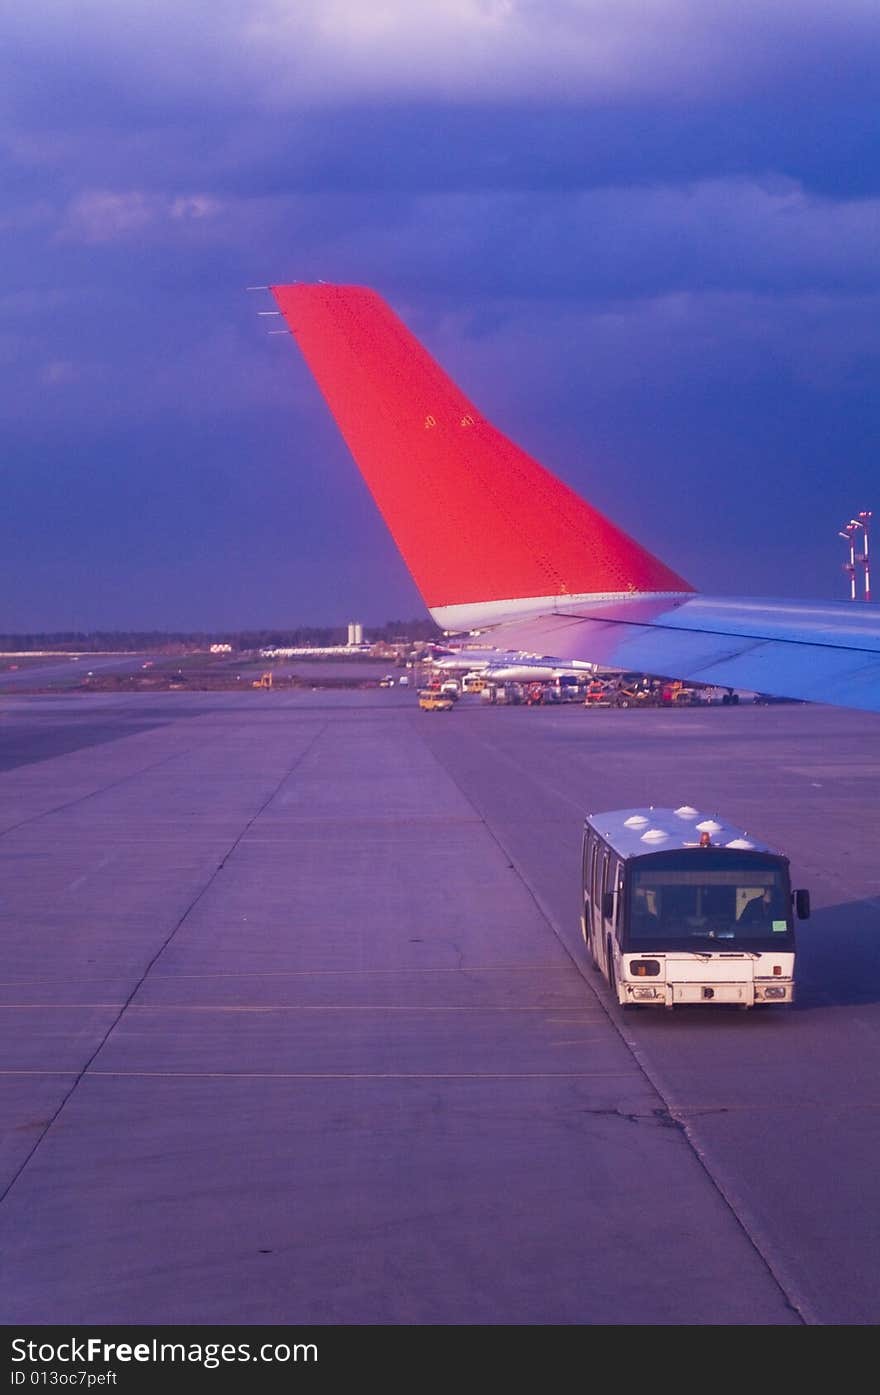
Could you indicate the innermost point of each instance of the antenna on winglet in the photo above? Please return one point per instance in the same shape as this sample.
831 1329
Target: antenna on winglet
257 288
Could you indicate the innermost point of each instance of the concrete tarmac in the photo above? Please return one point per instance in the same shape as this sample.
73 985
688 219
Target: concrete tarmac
297 1025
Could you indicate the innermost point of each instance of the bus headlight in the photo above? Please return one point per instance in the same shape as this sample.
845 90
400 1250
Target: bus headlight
772 992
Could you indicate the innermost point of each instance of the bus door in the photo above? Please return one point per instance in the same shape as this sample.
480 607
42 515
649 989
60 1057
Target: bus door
591 915
589 844
603 924
611 909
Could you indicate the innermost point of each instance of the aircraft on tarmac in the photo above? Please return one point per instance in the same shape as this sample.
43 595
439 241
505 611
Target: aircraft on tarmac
498 545
500 667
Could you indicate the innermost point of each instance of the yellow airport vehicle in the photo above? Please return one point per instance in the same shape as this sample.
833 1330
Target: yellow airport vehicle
432 701
473 683
677 694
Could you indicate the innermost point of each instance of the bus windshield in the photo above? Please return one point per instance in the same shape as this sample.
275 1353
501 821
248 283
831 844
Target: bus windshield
724 899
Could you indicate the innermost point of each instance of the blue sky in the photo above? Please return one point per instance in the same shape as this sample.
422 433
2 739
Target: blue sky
641 234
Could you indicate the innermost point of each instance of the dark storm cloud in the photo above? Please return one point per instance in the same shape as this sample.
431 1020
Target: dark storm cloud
442 95
643 235
284 53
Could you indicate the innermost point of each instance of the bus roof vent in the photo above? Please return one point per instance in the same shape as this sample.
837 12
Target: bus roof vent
686 812
635 821
739 843
709 826
654 835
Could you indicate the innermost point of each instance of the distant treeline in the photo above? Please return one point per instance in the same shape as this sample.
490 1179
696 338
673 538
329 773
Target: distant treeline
95 641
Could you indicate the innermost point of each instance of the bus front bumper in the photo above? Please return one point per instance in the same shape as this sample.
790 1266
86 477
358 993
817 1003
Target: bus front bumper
750 994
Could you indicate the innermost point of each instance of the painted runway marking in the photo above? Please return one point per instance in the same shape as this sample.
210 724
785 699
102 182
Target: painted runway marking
324 1007
415 971
329 1075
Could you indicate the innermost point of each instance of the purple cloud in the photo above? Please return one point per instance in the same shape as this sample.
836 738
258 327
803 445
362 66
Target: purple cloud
642 236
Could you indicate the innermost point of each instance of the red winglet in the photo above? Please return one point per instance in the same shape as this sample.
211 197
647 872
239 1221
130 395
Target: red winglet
475 518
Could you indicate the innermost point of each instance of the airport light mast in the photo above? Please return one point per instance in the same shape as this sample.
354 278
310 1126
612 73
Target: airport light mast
864 520
857 559
850 566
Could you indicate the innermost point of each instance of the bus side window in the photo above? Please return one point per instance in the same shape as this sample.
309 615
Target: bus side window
606 873
586 864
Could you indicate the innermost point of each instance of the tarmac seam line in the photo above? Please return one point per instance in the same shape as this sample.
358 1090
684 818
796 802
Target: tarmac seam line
92 794
301 755
737 1208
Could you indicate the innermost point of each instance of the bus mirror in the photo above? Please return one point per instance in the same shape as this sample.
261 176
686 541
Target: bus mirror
802 904
607 905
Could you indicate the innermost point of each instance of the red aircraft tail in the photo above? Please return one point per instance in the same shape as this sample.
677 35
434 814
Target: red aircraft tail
476 519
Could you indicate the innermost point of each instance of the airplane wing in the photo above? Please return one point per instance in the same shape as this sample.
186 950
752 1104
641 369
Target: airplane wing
819 653
498 544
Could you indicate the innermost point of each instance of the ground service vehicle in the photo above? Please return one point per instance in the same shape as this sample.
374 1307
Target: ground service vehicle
568 688
635 690
681 908
473 683
677 694
433 701
597 694
502 694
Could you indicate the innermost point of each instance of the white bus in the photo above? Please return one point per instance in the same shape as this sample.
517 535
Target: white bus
681 908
